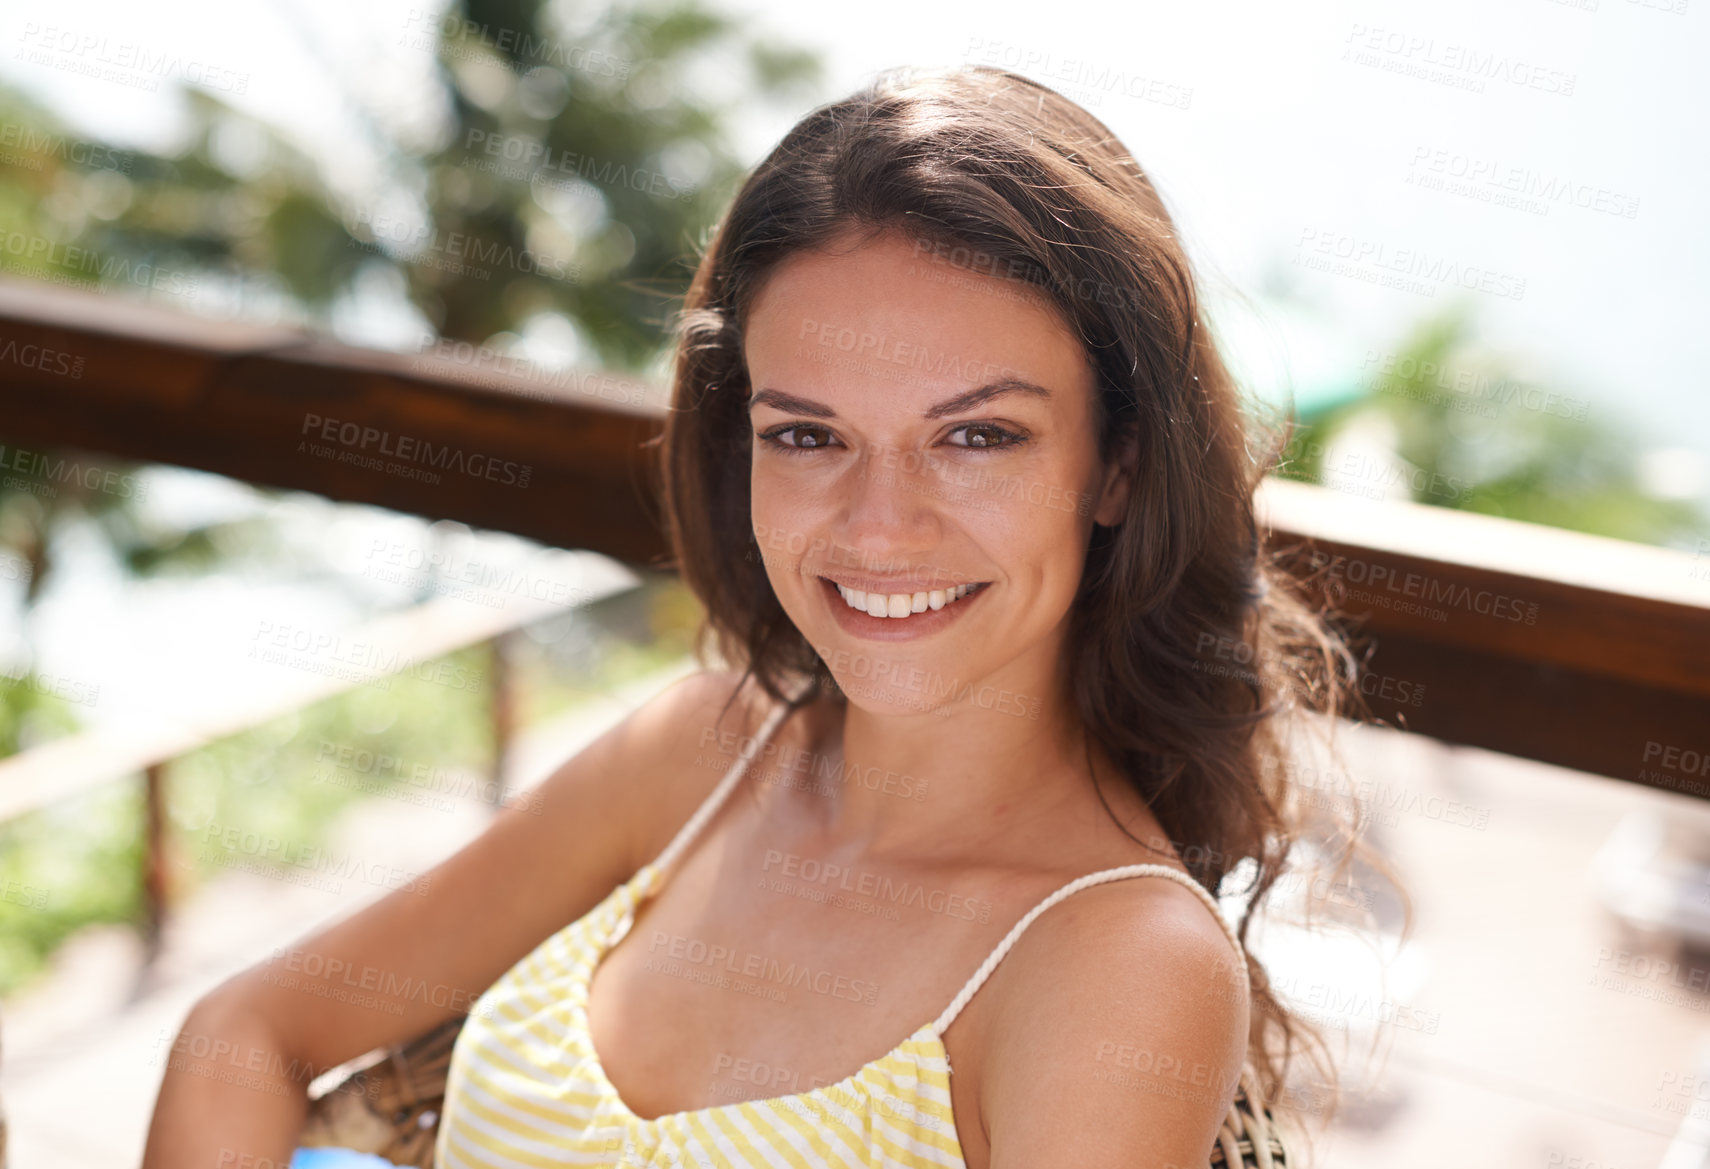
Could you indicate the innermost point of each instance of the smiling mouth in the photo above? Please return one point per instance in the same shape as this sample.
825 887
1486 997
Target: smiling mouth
900 606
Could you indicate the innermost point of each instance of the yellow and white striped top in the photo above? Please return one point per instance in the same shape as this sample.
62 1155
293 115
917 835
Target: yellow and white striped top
525 1087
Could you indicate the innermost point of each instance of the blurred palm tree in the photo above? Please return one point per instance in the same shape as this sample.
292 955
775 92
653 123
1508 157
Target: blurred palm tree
1464 429
578 155
568 181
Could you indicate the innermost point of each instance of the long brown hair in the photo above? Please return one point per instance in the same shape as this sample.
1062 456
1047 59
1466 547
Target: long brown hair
987 162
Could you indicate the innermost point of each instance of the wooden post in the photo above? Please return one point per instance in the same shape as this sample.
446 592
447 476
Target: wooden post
504 714
155 861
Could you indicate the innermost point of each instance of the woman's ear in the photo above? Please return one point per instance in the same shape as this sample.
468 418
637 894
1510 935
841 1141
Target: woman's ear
1117 484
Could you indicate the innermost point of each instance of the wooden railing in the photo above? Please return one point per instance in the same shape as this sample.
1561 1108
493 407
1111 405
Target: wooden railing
395 642
1585 652
1571 649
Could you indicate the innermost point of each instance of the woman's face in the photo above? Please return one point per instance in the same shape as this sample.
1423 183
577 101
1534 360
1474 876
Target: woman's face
921 424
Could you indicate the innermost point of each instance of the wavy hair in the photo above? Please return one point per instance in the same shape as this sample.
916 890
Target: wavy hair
990 164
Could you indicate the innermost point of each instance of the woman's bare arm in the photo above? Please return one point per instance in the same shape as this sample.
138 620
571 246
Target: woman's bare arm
234 1091
1123 1034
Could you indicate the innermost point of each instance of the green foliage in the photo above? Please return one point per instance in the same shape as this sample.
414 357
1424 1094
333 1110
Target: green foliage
31 711
555 679
65 867
80 861
624 164
1471 433
576 172
583 167
283 783
262 801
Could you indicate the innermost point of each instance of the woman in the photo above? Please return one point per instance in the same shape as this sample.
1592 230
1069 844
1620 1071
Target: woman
967 493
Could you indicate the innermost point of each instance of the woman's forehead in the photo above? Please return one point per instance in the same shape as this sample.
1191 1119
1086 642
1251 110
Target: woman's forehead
892 311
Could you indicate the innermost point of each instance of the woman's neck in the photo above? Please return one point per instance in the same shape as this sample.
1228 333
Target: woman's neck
918 784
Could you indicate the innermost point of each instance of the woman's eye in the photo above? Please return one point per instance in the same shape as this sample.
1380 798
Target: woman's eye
992 436
981 436
817 437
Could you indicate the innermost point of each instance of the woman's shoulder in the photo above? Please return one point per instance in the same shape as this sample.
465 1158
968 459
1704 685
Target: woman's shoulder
696 730
1151 923
1127 1003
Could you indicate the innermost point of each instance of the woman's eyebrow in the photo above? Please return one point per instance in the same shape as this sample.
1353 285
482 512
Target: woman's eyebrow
793 404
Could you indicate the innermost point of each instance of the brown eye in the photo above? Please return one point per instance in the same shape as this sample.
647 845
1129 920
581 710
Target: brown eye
817 442
991 436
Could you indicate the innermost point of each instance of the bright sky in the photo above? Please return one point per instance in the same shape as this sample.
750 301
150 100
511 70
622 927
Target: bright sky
1319 130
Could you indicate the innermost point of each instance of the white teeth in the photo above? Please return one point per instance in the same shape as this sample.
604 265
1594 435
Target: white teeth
897 605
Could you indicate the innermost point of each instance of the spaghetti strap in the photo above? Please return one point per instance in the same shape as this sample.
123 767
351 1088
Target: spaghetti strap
709 806
1150 870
